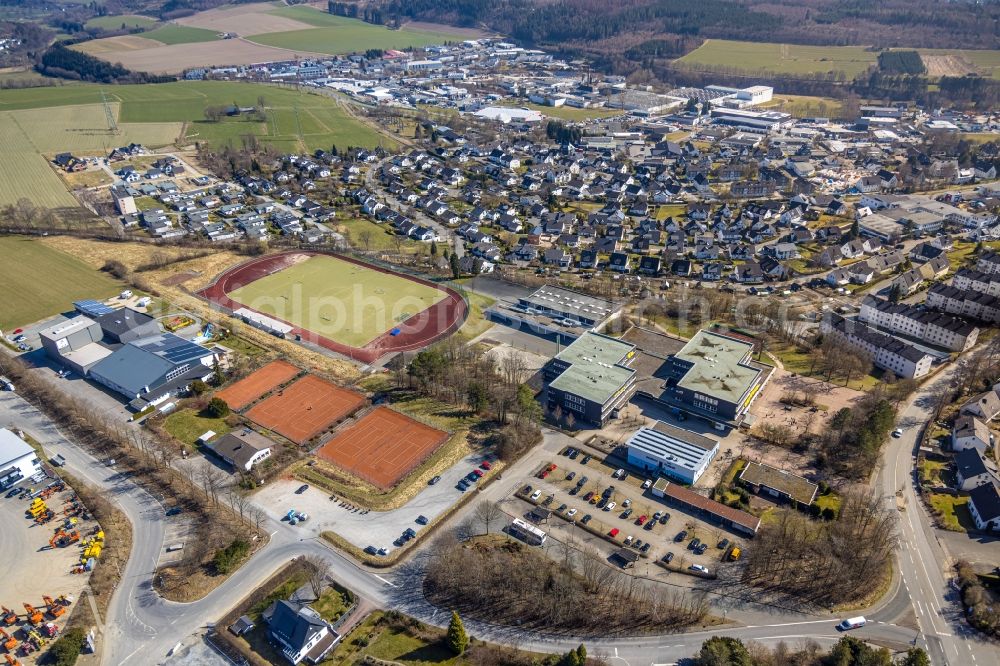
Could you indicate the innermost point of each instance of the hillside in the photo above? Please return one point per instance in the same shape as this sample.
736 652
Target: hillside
673 27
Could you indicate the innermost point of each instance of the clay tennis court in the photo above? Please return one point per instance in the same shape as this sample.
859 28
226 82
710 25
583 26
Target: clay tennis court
242 393
305 408
383 446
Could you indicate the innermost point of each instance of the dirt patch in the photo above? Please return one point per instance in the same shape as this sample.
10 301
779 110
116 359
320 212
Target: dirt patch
947 65
159 59
306 408
244 20
179 279
383 446
248 389
122 44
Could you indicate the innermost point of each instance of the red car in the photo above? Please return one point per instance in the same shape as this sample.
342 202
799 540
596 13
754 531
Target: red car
486 465
613 532
641 520
478 473
544 473
552 467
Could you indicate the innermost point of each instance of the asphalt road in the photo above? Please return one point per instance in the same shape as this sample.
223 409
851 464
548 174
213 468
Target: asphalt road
142 628
923 564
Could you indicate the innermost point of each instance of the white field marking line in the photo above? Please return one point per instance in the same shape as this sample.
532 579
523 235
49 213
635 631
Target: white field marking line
384 580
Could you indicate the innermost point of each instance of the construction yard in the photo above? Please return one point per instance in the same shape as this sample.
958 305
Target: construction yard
45 542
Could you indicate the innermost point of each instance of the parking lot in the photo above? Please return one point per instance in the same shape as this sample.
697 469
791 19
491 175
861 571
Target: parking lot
362 529
562 493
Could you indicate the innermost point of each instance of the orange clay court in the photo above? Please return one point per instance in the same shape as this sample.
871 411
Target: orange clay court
242 393
383 446
305 408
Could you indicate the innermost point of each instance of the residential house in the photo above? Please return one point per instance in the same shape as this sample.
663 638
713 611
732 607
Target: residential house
984 505
969 432
970 470
300 632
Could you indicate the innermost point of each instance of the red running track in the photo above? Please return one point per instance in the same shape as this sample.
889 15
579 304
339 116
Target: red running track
435 323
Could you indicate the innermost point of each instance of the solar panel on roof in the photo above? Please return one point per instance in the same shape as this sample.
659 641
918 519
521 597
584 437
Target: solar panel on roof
92 308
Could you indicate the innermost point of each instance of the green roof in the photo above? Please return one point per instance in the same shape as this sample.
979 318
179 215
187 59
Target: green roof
594 373
718 370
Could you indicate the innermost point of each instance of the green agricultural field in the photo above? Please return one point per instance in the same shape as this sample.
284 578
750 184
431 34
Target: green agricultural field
321 121
342 301
116 22
569 113
40 281
337 34
30 137
181 34
780 58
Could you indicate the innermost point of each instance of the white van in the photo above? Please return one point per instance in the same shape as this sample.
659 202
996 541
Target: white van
852 623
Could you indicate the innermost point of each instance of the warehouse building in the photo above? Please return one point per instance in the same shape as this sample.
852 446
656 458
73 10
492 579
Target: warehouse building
591 378
150 370
75 343
127 325
692 502
17 459
679 454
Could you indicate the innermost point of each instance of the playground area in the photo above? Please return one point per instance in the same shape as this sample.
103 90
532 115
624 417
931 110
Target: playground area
243 392
305 408
341 304
382 447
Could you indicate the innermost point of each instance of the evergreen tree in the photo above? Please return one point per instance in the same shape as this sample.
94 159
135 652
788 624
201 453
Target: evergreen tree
915 657
855 230
723 651
434 248
456 272
458 640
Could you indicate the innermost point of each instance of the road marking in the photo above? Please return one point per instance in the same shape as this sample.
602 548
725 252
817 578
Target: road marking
384 580
793 624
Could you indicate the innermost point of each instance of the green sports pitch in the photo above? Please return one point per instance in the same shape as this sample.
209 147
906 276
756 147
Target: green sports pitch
340 300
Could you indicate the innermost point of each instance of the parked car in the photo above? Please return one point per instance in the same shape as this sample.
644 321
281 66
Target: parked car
618 473
610 506
589 496
897 433
645 547
700 549
586 519
535 495
694 543
486 465
582 482
548 500
574 490
13 492
722 544
562 507
422 520
627 502
371 550
626 513
571 476
608 492
641 520
700 568
637 544
613 532
649 525
647 483
526 490
664 518
569 451
586 459
434 480
628 540
304 487
409 533
478 473
681 536
668 557
571 513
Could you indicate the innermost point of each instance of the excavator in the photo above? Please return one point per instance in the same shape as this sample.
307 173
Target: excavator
9 642
52 608
62 538
9 616
35 617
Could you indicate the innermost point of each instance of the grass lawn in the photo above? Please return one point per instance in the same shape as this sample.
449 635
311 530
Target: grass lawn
181 34
830 501
961 254
384 641
569 113
338 34
41 282
238 344
379 236
953 512
116 22
932 471
332 604
476 323
321 123
670 210
342 301
781 58
187 425
799 361
805 106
